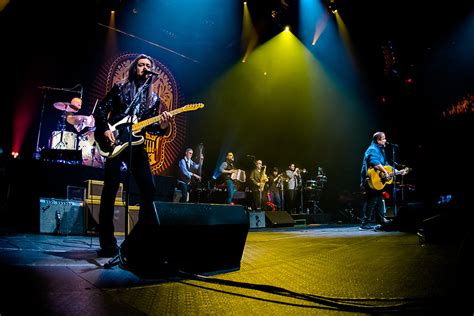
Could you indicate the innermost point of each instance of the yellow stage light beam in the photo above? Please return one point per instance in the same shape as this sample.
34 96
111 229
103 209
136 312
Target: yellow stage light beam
249 37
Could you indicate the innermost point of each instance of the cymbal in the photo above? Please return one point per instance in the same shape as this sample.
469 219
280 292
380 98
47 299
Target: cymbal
81 121
66 106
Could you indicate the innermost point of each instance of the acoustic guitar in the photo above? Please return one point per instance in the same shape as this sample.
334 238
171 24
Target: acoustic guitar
377 179
121 131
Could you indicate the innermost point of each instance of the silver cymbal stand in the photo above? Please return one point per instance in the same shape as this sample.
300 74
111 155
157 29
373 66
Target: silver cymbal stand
62 127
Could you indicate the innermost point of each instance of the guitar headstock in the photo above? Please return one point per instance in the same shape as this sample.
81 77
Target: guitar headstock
404 171
193 106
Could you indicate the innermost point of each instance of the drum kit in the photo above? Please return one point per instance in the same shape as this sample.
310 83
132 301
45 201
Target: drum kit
83 140
316 185
313 189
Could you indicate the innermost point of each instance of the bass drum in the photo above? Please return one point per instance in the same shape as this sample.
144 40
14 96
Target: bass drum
90 155
63 140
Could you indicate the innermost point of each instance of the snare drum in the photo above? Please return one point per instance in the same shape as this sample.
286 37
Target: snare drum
63 140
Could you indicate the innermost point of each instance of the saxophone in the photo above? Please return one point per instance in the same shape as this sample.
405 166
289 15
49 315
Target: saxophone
263 179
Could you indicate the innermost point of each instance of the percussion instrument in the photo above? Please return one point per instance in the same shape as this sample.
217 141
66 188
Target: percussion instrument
310 185
90 156
322 179
238 175
81 121
63 140
66 106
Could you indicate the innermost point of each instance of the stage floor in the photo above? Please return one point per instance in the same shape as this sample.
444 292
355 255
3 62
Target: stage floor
284 271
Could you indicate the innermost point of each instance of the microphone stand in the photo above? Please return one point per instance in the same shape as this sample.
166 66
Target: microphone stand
394 193
282 189
201 161
37 152
134 107
299 184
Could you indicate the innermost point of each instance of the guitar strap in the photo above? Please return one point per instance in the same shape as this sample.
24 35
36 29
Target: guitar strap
384 157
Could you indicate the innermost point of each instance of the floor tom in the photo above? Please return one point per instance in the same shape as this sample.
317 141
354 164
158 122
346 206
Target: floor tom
90 155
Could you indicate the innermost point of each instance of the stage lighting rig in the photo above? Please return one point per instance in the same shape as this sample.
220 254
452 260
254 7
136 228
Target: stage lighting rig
332 5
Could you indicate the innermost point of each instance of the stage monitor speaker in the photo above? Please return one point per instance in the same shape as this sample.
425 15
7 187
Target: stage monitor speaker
409 217
194 238
279 219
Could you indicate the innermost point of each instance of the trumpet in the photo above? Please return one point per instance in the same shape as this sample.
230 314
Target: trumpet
299 171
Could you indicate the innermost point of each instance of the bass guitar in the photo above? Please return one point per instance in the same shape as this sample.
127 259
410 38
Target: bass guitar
377 179
121 131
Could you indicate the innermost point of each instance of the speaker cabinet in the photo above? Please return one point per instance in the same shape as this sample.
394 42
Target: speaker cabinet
194 238
92 209
279 219
94 190
62 217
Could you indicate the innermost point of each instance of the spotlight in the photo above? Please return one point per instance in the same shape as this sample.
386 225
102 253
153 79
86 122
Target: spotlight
332 6
274 14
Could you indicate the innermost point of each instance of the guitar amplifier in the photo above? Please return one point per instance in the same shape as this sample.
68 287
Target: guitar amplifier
257 219
94 190
62 217
92 209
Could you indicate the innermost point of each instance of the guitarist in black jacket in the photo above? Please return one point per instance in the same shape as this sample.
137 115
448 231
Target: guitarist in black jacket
117 105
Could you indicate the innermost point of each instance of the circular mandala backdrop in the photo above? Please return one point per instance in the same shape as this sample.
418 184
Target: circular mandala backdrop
162 150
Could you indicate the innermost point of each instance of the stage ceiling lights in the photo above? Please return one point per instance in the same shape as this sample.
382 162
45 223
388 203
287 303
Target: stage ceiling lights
332 5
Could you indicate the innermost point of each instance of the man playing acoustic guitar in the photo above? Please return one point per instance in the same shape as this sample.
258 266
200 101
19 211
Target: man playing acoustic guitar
375 174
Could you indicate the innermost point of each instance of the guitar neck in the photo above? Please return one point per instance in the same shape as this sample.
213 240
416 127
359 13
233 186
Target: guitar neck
140 125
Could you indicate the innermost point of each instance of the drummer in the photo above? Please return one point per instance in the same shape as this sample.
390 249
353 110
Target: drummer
80 122
76 104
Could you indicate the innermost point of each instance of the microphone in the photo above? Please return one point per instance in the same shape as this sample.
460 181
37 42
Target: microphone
391 144
149 72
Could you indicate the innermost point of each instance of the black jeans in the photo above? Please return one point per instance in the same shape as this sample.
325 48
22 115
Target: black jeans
141 170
